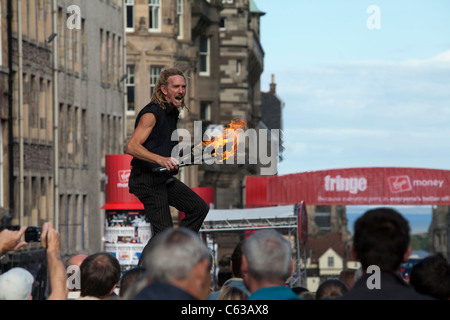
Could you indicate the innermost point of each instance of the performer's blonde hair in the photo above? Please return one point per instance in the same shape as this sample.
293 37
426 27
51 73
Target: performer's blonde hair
158 95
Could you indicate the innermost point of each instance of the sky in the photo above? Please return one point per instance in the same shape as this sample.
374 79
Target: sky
361 87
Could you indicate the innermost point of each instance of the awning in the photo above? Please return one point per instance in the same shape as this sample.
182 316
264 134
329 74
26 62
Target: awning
255 218
123 206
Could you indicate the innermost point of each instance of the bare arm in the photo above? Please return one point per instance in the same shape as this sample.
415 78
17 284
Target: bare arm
56 269
136 147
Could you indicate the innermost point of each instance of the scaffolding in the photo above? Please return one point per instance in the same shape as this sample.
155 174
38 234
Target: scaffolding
285 219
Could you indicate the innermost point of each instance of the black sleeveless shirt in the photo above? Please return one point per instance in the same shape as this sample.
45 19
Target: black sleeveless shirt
160 139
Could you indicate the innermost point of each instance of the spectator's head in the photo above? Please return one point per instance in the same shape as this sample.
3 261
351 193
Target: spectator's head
431 276
129 278
347 276
73 272
188 264
236 260
331 289
267 258
76 260
232 293
381 237
99 275
16 284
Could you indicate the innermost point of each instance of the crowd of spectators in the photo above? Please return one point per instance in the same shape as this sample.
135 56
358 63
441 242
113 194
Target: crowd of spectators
178 265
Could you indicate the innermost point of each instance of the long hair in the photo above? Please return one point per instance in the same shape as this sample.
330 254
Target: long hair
158 95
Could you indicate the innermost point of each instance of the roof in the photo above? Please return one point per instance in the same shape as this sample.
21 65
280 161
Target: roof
257 218
317 246
254 8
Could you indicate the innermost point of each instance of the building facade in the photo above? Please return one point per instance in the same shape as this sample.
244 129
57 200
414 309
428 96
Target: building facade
216 44
74 80
65 112
4 107
439 230
178 33
241 65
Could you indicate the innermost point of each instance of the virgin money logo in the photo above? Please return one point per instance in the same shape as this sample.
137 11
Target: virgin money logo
124 176
399 184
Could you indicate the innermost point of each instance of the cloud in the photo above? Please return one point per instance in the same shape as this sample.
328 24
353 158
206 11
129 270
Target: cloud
367 113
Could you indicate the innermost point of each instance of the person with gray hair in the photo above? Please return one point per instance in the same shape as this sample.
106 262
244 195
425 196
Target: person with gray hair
266 266
178 266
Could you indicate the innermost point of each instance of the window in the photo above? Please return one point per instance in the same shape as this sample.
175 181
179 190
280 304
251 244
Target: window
330 262
84 57
180 9
42 102
130 15
205 115
84 137
76 136
130 88
70 134
84 210
102 56
1 165
205 111
204 56
62 140
1 35
238 67
154 14
154 77
62 38
223 24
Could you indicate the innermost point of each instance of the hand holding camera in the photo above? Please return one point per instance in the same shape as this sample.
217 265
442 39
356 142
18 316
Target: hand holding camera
50 237
10 240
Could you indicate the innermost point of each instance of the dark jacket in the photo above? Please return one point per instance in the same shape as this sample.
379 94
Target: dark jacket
392 287
162 291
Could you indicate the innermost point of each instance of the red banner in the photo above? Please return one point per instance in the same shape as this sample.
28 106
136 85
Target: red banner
355 186
117 195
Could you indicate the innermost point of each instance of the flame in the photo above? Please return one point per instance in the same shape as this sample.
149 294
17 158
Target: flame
225 145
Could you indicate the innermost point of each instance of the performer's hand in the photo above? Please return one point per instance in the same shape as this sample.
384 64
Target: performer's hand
170 164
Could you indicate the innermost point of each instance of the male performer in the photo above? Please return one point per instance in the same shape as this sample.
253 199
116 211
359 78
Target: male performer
151 147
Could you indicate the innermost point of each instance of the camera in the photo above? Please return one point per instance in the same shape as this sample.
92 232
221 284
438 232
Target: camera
33 234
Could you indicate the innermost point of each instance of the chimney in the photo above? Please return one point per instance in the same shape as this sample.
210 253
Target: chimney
273 86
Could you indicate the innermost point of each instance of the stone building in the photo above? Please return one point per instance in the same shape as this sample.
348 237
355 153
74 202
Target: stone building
5 98
179 33
27 138
272 112
241 65
65 112
216 44
439 230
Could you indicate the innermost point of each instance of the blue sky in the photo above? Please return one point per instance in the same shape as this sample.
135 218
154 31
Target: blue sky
356 97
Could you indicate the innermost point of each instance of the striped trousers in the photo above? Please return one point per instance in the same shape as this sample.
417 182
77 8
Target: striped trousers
157 193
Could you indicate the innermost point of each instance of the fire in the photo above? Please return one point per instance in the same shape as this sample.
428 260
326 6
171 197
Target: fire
225 145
